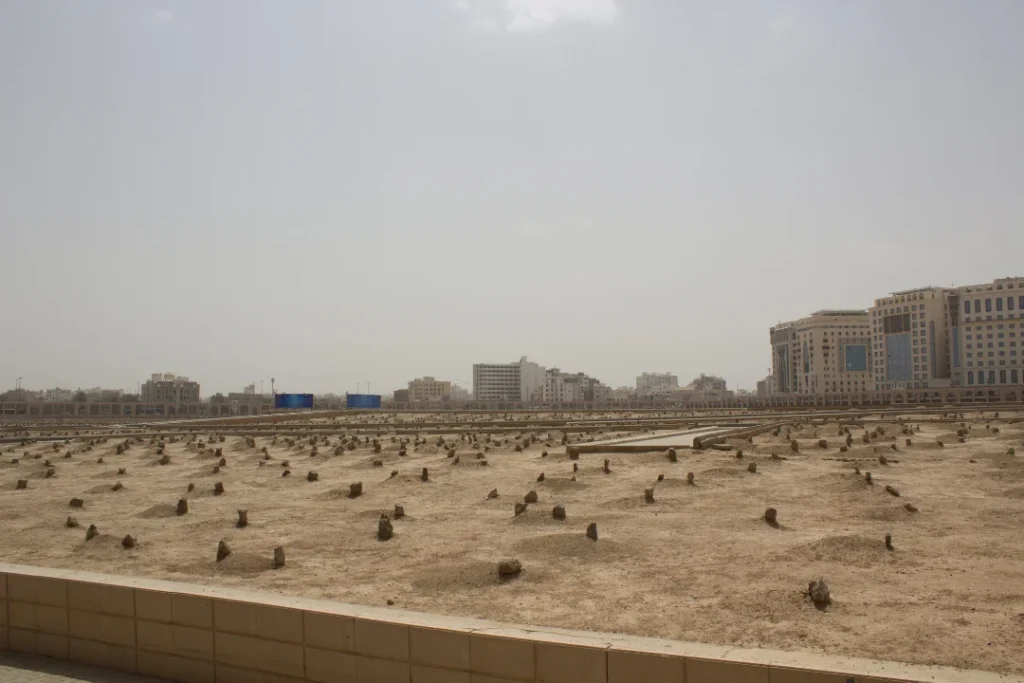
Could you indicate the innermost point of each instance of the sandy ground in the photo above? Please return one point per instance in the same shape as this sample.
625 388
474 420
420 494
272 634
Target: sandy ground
700 564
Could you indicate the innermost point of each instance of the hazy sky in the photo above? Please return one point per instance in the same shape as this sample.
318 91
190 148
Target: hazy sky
342 191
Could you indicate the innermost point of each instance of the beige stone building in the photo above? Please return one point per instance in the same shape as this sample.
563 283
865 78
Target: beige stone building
826 352
166 387
428 389
656 383
986 333
910 339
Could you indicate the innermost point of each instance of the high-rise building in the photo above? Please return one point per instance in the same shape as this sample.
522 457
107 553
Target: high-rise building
910 339
986 333
522 381
654 383
826 352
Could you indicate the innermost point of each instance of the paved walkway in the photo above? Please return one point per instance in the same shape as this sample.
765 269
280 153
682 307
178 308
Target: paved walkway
19 668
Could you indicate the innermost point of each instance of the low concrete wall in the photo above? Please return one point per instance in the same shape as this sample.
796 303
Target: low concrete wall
200 634
741 433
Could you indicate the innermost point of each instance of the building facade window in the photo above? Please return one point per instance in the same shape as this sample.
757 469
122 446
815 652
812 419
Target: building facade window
1002 376
967 307
1009 303
991 376
988 305
970 377
999 304
1013 377
977 305
981 376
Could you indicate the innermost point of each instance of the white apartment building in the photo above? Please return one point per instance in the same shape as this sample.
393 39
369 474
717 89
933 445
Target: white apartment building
522 381
910 339
826 352
654 383
986 333
564 387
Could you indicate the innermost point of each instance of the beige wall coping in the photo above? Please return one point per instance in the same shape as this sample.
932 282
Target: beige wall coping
540 634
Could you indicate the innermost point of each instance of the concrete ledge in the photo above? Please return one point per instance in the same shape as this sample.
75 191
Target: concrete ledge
202 634
741 433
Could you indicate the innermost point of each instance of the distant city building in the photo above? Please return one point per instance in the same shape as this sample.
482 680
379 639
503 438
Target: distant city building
986 334
460 395
602 392
910 339
622 395
654 383
428 389
522 381
59 395
710 383
826 352
564 387
99 395
766 386
250 389
166 387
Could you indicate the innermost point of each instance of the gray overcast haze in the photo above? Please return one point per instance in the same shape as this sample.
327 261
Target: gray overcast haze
343 191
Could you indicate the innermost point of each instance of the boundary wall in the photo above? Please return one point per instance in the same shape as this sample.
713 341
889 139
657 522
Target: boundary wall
202 634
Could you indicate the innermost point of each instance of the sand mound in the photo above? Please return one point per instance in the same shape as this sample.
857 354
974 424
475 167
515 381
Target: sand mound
739 470
104 488
561 484
855 550
157 511
539 515
637 502
102 546
235 564
893 513
574 545
455 577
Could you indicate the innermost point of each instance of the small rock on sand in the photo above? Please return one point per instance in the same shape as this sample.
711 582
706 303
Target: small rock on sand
819 593
384 528
509 567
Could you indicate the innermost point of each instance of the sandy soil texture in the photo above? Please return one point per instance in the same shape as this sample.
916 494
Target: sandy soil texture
699 564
